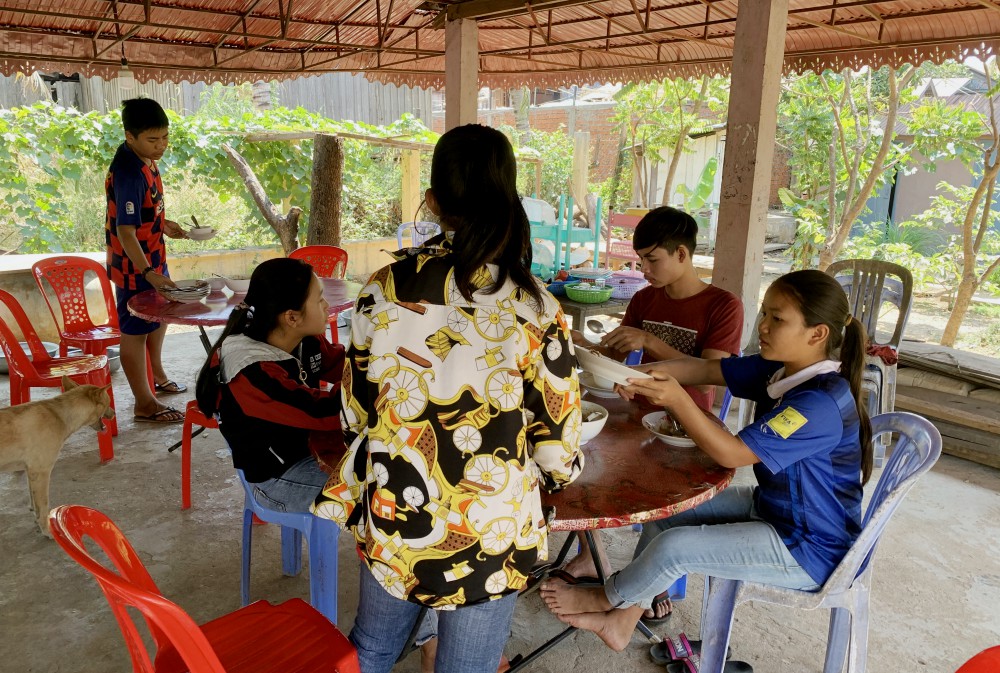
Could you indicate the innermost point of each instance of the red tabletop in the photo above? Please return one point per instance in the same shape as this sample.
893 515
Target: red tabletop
631 476
214 310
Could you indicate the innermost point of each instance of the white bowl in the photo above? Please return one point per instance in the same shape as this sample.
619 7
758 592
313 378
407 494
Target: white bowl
653 423
238 284
216 284
590 429
201 233
588 384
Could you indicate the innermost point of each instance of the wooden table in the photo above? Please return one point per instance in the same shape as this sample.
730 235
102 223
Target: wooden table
580 311
629 477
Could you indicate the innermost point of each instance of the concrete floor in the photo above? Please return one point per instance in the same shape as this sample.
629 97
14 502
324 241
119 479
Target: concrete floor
936 599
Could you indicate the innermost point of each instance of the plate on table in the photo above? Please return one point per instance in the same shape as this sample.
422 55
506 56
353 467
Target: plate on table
658 424
187 291
587 383
605 367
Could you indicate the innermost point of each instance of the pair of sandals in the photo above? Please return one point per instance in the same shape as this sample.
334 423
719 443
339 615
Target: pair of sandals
679 655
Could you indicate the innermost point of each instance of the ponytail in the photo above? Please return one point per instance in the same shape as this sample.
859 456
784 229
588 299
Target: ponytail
852 368
206 389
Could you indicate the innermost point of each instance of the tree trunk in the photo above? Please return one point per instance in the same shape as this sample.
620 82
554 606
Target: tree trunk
286 226
675 160
851 210
963 299
327 186
520 100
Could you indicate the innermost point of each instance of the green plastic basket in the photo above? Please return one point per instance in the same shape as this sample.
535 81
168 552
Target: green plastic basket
592 296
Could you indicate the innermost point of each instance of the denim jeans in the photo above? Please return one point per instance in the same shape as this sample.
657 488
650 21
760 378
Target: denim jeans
724 537
472 637
295 490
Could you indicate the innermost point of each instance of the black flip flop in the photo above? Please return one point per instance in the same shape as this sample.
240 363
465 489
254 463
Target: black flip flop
661 599
692 666
170 388
661 653
156 417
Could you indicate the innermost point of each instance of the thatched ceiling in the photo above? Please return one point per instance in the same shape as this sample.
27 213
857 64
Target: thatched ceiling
546 42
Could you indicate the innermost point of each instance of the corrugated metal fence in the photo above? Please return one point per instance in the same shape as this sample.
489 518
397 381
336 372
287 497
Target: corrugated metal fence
334 95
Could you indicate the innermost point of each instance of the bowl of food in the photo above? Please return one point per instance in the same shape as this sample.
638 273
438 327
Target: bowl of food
662 424
594 418
238 284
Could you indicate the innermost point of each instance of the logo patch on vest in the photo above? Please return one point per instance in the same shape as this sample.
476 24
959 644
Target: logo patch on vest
787 422
129 208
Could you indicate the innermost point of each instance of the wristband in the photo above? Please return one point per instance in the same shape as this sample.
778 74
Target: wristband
146 271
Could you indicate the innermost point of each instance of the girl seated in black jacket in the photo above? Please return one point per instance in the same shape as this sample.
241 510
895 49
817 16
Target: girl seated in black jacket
263 377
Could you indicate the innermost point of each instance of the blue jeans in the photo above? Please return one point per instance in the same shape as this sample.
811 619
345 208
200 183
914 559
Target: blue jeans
471 638
295 490
724 537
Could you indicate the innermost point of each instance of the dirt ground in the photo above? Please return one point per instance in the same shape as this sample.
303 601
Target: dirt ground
935 600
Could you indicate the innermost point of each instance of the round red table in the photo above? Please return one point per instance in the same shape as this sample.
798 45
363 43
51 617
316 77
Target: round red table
214 310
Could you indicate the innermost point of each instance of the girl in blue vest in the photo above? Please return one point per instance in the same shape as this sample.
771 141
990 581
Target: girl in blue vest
809 445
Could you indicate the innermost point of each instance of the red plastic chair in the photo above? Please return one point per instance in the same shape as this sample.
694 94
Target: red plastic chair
328 261
288 638
987 661
45 371
192 417
65 276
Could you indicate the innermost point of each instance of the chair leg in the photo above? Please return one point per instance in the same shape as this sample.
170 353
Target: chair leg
322 542
718 623
291 551
245 575
838 640
186 463
105 445
859 633
149 374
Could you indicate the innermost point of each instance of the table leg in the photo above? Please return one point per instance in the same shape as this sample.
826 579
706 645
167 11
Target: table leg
204 339
520 661
194 434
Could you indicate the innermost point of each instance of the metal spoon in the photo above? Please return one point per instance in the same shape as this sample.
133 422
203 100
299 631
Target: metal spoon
596 326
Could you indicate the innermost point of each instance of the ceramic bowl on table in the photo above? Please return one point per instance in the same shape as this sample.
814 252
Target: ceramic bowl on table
659 423
216 283
594 418
238 284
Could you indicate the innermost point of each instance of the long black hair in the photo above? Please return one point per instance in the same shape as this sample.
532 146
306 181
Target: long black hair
276 286
474 180
822 300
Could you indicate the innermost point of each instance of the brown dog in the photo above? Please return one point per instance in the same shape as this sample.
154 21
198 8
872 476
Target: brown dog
34 433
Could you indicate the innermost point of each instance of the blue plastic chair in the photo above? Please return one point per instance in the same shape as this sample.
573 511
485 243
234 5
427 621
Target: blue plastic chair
848 589
321 537
419 232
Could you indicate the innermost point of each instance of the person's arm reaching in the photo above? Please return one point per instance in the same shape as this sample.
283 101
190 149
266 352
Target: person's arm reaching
132 248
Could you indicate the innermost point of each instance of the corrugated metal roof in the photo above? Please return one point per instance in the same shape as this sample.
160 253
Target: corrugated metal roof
394 40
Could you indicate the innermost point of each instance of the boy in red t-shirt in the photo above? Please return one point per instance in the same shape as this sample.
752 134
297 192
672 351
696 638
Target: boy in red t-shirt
704 321
137 257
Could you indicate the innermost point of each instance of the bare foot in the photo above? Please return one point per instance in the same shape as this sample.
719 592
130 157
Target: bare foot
582 565
565 599
662 607
614 627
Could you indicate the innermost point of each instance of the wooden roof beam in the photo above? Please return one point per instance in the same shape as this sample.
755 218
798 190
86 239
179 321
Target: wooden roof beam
837 29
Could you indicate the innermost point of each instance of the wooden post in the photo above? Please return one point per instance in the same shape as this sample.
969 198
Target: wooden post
581 166
538 179
411 196
746 170
461 72
327 186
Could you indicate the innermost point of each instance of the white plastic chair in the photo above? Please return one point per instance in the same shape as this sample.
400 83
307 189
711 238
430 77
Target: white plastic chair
848 589
419 232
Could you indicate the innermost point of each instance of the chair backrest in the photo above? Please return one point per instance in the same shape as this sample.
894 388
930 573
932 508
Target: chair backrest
419 232
917 449
130 585
65 275
871 283
328 261
17 359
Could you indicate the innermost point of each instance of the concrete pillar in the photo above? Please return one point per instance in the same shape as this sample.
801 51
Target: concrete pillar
750 134
461 72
